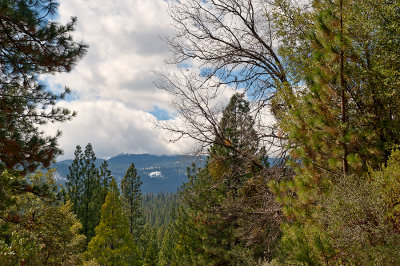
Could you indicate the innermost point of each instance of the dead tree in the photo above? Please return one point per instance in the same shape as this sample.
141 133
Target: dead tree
220 46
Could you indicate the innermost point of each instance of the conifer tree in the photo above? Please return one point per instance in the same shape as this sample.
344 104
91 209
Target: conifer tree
165 256
132 201
236 153
150 252
208 220
89 210
75 179
322 134
113 244
332 124
105 179
87 187
31 44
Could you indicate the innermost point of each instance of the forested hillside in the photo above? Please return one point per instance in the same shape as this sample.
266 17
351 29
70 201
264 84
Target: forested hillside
301 165
158 173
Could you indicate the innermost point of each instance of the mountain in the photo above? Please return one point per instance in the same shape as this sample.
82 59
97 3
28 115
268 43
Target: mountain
158 173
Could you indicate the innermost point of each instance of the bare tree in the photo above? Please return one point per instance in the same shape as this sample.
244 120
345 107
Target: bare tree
221 47
233 44
234 39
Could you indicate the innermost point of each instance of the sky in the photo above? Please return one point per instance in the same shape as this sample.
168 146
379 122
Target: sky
112 86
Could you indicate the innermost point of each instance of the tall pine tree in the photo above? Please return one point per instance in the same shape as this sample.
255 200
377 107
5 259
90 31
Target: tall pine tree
132 201
86 189
89 211
334 125
75 179
207 223
105 179
113 243
32 44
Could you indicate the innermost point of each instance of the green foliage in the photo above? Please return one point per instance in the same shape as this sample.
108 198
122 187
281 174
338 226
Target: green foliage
208 224
32 44
361 217
150 244
388 180
167 245
132 202
75 181
105 180
89 210
203 235
334 123
158 240
158 208
87 187
113 244
38 229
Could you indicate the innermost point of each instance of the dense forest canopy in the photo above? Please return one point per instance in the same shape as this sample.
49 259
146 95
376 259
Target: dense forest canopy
328 74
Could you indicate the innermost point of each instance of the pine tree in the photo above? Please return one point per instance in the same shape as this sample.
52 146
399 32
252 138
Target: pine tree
236 154
168 243
150 252
75 179
32 44
105 179
87 188
132 201
89 209
322 134
207 223
332 125
113 244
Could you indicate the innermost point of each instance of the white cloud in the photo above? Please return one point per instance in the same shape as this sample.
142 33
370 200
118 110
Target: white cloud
112 128
113 85
125 49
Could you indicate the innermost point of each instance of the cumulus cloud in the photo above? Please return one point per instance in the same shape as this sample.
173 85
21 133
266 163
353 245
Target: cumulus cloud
112 86
112 128
125 50
113 90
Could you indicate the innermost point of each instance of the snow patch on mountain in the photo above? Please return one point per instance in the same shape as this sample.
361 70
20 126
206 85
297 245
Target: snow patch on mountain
156 174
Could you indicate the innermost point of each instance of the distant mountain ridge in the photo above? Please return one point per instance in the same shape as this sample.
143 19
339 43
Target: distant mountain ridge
159 173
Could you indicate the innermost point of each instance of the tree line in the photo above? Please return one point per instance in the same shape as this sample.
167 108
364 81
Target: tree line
90 221
317 184
121 226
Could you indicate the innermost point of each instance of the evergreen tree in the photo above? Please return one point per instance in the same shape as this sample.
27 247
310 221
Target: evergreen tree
150 252
158 208
236 154
105 179
75 179
132 201
87 188
207 222
323 134
167 246
39 229
334 125
32 44
113 243
89 209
